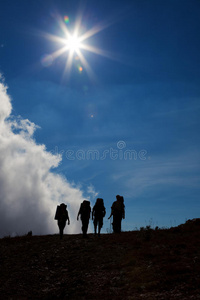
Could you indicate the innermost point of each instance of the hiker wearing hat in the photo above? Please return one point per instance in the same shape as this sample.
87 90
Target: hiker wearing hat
62 216
98 213
118 213
84 212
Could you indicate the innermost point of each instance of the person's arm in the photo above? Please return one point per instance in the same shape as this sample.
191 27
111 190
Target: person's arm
111 212
123 214
79 212
68 219
90 213
104 212
110 215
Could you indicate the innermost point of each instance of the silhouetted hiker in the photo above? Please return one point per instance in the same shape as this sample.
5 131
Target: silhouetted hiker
84 212
98 213
118 213
62 217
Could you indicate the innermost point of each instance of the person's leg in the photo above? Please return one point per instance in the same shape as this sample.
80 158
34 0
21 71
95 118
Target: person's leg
84 227
114 224
118 225
61 226
99 229
100 225
87 223
61 232
60 229
95 226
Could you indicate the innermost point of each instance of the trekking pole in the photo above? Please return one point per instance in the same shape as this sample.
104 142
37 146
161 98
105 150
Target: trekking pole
110 224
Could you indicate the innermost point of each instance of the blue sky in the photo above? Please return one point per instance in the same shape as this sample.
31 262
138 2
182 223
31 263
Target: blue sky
139 117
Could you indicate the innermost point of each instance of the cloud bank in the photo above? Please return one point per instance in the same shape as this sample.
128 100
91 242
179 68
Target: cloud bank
29 190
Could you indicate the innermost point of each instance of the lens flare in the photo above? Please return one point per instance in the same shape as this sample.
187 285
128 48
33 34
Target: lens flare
80 69
73 42
47 60
66 19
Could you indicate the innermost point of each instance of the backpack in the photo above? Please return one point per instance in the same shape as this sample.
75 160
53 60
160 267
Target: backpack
85 209
61 212
118 207
99 208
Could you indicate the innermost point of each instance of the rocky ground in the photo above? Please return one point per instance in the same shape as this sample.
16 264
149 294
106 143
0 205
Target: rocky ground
145 264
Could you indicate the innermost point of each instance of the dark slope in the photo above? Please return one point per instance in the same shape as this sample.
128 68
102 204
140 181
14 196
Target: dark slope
146 264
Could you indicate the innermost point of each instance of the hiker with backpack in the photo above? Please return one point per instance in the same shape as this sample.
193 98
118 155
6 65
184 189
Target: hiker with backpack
98 213
62 217
84 212
118 213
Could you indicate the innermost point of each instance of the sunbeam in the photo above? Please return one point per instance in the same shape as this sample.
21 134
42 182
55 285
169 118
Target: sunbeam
74 42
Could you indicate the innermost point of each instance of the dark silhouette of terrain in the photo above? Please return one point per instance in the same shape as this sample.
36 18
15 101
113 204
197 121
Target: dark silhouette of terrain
145 264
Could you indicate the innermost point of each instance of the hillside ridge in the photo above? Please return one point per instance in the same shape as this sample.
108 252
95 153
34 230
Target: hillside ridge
145 264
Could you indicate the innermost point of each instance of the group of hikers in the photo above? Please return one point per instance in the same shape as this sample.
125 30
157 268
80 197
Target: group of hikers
98 213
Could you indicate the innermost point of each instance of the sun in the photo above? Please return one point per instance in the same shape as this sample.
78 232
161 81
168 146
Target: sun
73 42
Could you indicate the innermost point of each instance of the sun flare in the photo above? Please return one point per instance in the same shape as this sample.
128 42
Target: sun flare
73 42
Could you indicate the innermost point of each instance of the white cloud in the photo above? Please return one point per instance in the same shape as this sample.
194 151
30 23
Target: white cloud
91 191
5 108
29 190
